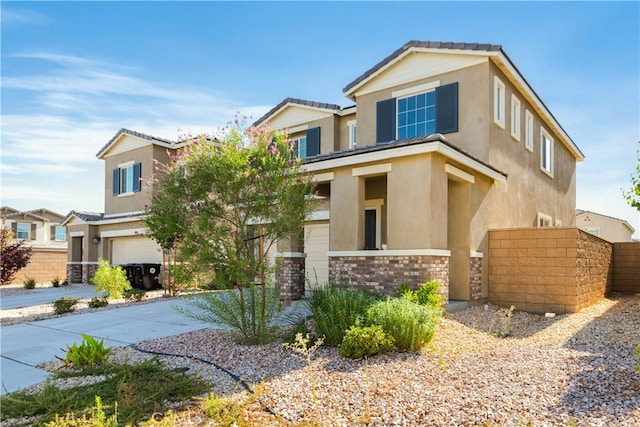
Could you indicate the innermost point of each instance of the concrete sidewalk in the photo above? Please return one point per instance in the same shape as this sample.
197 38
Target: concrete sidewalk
24 346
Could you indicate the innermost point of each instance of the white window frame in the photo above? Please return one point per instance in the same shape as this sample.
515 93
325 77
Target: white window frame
353 133
515 117
544 220
297 142
499 98
546 161
528 131
593 230
55 233
25 224
126 169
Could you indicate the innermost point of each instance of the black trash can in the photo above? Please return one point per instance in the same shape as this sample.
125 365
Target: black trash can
151 276
127 270
136 275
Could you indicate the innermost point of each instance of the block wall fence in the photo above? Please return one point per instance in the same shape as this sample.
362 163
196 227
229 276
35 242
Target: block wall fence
44 266
558 269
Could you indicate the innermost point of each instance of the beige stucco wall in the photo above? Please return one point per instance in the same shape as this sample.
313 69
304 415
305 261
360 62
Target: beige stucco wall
608 228
137 201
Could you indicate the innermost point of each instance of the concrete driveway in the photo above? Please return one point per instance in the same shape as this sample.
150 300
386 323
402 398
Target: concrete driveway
24 346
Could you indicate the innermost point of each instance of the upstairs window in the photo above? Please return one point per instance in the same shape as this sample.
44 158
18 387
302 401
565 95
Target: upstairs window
22 231
432 110
544 220
60 233
308 145
515 118
528 131
126 178
353 136
498 102
546 152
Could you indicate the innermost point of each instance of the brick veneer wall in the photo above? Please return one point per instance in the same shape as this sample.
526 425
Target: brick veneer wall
548 269
290 278
81 272
383 274
626 267
44 266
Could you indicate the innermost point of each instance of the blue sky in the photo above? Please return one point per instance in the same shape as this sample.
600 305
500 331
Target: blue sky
74 73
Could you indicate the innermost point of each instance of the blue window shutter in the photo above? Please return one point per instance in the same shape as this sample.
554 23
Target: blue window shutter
447 108
116 181
386 121
313 142
137 174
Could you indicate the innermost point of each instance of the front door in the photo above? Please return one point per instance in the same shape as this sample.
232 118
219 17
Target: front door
370 229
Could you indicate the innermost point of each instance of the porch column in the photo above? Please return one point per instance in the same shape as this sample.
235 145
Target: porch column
290 268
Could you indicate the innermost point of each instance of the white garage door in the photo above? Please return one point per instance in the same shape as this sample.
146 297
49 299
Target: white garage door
138 249
316 246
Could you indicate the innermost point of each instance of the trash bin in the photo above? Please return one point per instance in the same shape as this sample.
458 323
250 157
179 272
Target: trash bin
150 276
136 276
127 270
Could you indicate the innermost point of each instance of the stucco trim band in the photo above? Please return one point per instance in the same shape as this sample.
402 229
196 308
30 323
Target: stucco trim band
393 252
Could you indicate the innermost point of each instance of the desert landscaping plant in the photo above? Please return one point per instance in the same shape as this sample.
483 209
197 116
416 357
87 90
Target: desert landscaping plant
29 283
65 305
110 280
89 354
361 342
134 294
411 325
56 282
97 302
205 205
335 309
14 256
427 294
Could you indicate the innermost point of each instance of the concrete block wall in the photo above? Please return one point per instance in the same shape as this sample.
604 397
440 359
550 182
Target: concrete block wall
383 274
548 269
44 266
626 267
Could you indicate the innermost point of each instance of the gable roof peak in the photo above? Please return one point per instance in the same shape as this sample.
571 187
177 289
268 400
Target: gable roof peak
296 101
419 44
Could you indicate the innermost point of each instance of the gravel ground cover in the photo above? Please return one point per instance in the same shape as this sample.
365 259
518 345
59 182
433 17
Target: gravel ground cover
568 370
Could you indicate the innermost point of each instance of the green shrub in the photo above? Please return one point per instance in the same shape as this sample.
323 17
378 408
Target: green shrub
411 325
336 309
89 354
110 280
299 326
364 341
65 282
427 294
64 305
29 283
56 282
98 302
638 358
134 294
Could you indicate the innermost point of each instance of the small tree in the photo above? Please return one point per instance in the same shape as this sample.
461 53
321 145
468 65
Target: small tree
220 199
15 255
633 196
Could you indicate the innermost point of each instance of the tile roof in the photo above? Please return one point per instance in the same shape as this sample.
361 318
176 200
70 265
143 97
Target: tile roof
85 216
422 44
304 102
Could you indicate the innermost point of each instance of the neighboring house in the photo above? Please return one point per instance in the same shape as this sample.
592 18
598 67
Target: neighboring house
118 234
445 141
41 229
606 227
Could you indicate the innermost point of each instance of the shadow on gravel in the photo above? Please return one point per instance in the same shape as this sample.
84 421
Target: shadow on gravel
607 385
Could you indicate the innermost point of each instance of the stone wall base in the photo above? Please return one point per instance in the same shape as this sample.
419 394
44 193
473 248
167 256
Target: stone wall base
81 272
383 274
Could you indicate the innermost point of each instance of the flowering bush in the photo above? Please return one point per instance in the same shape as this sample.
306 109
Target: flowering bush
14 256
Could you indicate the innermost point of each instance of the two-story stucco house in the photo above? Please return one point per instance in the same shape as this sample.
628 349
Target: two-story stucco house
445 141
42 230
604 226
118 234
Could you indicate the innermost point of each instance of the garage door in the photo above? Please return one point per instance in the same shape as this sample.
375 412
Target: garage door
138 249
316 246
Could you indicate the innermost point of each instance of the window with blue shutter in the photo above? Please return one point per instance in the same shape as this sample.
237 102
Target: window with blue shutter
127 179
313 142
434 111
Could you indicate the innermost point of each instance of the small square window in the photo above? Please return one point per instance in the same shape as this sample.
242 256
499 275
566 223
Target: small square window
61 233
544 220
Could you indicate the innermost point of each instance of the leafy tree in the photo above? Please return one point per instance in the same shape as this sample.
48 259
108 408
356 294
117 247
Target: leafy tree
219 200
15 255
633 195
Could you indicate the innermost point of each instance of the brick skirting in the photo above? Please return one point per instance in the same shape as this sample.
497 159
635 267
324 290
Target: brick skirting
290 277
383 274
81 272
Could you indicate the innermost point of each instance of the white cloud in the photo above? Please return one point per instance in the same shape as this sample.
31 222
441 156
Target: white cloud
22 16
